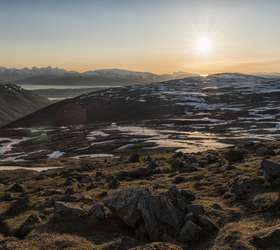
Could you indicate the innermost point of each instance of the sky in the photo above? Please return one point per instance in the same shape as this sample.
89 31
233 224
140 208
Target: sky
161 36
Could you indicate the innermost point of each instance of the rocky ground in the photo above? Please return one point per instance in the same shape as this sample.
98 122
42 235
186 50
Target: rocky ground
218 199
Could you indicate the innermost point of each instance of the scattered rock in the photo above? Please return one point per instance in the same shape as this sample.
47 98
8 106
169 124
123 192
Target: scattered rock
17 188
264 151
133 158
179 179
18 206
63 209
234 155
162 214
206 224
266 201
242 188
99 211
180 198
137 173
31 222
113 183
182 166
271 171
196 210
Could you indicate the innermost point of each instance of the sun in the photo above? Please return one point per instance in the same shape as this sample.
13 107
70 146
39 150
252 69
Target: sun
203 45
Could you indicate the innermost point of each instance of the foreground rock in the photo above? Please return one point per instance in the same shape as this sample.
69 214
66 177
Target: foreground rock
163 216
271 171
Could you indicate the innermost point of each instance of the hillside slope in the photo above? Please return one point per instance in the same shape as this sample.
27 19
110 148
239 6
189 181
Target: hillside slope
16 102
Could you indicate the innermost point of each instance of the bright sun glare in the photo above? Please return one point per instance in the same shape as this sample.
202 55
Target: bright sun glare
203 45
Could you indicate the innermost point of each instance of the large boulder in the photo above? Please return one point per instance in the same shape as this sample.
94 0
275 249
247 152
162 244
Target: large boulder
64 209
161 216
124 203
243 187
18 206
235 155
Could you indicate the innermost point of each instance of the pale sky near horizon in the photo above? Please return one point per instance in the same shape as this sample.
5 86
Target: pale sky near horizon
159 36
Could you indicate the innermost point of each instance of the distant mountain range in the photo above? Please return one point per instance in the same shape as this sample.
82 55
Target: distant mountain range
16 102
57 76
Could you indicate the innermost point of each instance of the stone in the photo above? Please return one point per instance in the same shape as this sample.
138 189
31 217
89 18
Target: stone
29 224
196 210
182 166
137 204
124 203
99 211
63 209
137 173
265 151
18 206
84 178
207 225
271 170
190 232
180 198
133 158
243 187
113 183
234 155
17 188
266 201
179 179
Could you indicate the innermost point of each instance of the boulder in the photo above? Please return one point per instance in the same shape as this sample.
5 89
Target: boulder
180 198
264 151
17 188
179 179
18 206
29 224
182 166
124 203
162 214
195 209
99 211
63 209
234 155
113 183
137 173
266 201
190 232
271 170
133 158
243 187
